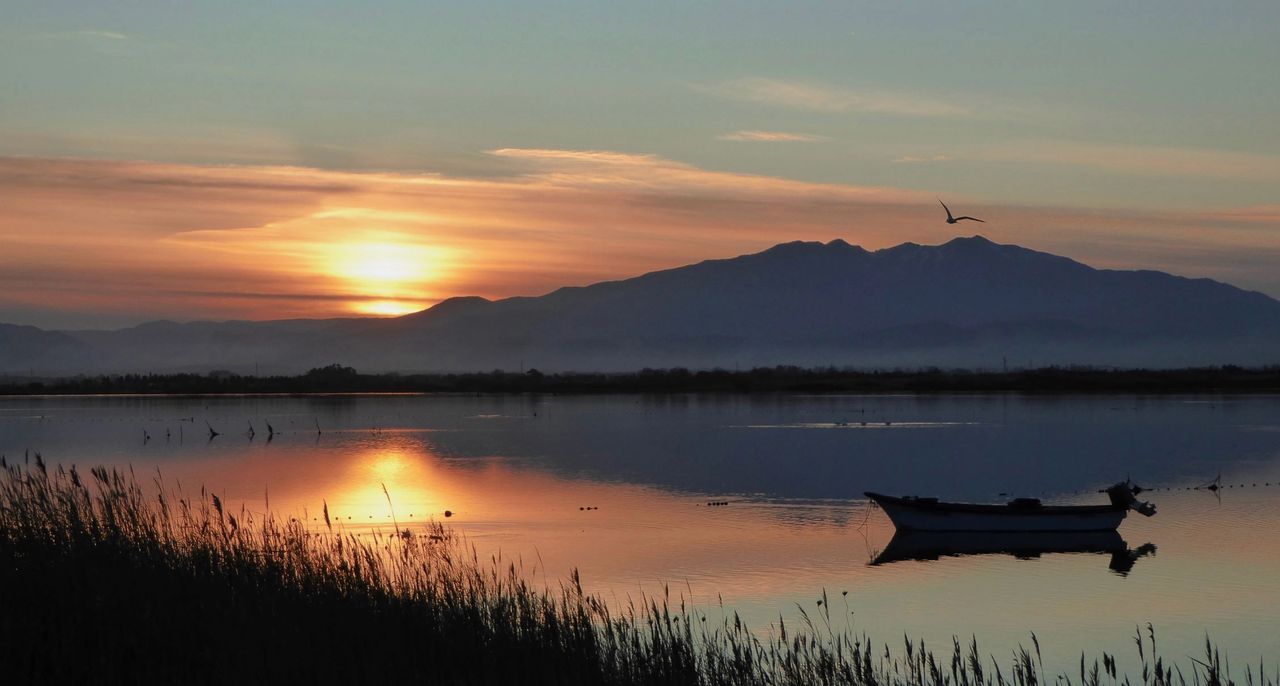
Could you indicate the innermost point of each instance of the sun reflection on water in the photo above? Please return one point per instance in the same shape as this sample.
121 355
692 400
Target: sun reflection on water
379 484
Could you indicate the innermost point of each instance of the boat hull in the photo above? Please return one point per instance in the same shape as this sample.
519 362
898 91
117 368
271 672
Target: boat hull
912 514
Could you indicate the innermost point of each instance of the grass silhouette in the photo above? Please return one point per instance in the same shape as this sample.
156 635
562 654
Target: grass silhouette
103 581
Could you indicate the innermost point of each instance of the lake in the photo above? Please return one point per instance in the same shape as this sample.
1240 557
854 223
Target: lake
621 488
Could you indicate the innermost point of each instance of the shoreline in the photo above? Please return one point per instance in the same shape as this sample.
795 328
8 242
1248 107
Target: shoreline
336 380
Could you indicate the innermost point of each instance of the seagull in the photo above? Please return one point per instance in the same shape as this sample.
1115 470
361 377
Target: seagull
953 220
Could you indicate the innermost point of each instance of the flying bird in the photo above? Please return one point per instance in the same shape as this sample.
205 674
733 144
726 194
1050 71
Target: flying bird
953 220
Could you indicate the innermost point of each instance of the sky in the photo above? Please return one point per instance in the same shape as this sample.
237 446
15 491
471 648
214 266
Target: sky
272 160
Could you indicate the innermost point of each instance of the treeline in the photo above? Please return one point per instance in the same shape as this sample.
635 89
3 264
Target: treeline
340 379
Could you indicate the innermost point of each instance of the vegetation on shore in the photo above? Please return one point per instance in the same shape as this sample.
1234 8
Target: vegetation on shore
103 583
338 379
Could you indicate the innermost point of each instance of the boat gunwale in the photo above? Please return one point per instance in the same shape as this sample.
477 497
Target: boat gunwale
990 509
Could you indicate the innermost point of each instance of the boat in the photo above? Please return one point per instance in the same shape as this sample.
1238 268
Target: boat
911 513
933 545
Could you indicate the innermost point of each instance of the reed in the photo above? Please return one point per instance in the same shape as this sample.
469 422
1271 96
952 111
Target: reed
103 581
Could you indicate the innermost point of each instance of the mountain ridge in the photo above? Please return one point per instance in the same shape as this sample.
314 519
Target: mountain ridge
966 302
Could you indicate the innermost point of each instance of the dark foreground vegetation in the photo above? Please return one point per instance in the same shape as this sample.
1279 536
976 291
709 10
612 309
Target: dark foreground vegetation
101 583
339 379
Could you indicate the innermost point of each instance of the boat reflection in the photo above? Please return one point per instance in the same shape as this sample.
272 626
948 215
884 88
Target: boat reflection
932 545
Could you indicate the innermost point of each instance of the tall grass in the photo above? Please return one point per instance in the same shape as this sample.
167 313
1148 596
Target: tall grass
101 582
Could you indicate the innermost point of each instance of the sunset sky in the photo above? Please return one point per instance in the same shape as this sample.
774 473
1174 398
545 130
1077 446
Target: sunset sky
314 159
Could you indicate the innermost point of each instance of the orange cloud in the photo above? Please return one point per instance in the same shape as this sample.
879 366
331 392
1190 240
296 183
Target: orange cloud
825 98
1257 214
920 158
752 136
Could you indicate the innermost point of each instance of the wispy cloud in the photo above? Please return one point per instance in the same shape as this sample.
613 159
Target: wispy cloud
1257 214
907 159
582 156
101 41
85 35
825 98
1138 159
651 173
820 97
755 136
99 33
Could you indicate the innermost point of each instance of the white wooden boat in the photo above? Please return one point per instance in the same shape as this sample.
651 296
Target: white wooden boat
912 513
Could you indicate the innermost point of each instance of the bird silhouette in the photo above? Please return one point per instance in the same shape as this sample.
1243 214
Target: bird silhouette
953 220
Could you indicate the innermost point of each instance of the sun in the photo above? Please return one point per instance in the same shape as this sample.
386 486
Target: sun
386 277
383 263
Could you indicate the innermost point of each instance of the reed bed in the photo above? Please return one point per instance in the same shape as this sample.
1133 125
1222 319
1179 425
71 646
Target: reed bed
103 581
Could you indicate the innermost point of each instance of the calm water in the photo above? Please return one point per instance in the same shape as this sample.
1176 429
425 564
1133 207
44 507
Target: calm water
518 471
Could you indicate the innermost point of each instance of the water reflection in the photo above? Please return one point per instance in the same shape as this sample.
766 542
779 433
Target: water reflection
933 545
518 473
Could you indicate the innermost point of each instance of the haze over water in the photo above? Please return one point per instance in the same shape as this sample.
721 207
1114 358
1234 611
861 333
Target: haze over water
518 471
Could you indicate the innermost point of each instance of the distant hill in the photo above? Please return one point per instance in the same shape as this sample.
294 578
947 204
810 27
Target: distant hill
26 348
968 302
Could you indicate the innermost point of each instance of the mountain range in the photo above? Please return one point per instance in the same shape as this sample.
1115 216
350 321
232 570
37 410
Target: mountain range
966 303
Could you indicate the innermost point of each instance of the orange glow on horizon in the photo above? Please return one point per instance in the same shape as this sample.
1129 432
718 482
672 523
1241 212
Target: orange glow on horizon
141 240
388 308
